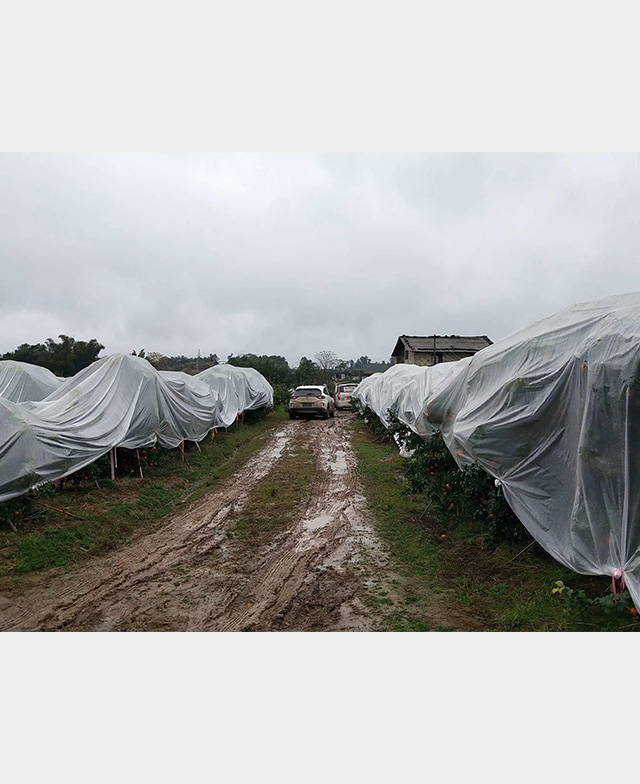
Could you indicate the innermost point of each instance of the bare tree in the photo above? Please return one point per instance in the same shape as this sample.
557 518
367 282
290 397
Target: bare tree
327 361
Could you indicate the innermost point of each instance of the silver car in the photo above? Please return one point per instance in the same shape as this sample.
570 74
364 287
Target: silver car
311 401
342 395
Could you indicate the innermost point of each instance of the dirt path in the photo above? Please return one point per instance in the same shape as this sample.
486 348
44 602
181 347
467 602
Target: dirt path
192 574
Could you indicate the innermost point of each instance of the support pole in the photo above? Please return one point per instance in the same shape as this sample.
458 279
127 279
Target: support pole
62 511
113 468
139 463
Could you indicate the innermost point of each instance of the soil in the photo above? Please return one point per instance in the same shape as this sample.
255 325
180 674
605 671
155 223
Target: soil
321 572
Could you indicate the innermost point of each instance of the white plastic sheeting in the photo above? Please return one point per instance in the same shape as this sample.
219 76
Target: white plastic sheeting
366 390
117 401
21 381
240 389
410 400
381 390
553 412
404 389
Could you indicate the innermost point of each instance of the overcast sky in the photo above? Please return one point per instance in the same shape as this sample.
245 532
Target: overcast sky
293 254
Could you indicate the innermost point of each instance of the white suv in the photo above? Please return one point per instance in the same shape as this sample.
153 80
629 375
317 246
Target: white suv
309 400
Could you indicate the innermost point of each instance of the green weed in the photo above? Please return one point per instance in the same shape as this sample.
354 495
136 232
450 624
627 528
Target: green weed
273 503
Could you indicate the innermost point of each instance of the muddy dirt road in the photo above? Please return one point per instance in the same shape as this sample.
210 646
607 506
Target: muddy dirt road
315 573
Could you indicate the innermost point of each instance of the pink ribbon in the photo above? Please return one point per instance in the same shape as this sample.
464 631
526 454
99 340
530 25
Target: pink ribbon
617 574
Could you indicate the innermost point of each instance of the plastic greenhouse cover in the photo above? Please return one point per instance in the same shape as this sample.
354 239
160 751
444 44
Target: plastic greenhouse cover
225 391
21 381
117 401
553 413
241 389
403 390
364 392
381 390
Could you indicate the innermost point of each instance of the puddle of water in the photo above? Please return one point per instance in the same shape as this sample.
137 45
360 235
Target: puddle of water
282 439
262 463
316 522
340 465
336 462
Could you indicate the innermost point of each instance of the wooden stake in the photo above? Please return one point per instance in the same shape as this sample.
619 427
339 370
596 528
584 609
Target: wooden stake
139 463
113 468
522 551
182 448
63 511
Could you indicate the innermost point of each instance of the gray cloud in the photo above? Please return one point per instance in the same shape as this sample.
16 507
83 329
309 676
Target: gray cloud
291 254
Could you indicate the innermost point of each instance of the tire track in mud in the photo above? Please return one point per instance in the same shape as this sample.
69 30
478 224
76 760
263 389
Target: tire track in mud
314 574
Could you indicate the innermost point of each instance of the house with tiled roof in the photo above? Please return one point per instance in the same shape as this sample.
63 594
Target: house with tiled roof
433 349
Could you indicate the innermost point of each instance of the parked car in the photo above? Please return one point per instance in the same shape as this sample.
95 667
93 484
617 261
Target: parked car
342 395
311 400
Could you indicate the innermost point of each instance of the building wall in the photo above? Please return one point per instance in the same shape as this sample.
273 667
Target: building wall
425 358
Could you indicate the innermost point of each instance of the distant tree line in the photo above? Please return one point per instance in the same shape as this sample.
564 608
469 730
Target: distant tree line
64 357
325 366
68 356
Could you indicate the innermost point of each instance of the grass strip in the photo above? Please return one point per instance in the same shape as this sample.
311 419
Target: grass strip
401 520
274 502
